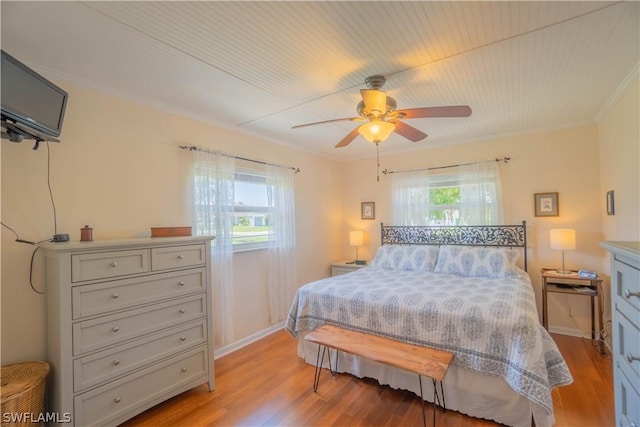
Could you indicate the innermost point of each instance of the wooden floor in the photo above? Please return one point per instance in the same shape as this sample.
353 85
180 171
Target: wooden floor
266 384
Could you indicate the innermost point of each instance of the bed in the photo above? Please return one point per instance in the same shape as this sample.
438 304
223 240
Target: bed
460 289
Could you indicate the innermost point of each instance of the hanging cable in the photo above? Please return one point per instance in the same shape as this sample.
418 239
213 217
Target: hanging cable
378 159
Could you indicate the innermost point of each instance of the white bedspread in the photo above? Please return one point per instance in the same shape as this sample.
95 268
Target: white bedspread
491 325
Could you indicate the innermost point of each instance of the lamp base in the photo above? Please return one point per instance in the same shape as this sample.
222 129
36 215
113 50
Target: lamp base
566 272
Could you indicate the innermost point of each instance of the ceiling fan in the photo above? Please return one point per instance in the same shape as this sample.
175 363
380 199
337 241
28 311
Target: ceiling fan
379 111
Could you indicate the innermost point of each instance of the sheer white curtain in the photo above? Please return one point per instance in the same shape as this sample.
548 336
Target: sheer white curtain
480 193
214 176
282 245
410 197
480 201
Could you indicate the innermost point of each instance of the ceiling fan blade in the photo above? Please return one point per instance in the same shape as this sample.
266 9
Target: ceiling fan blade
424 112
345 119
374 100
347 139
408 132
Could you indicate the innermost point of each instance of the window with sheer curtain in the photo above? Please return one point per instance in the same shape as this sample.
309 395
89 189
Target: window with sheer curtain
245 207
464 195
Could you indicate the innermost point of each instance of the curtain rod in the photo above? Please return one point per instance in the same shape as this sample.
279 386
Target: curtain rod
195 148
387 171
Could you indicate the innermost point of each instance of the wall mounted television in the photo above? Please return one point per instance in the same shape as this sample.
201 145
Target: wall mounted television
32 106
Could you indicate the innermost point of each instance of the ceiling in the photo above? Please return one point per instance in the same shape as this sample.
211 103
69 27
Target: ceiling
263 67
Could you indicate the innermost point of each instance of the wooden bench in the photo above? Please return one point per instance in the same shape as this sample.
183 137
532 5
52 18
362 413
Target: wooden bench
423 361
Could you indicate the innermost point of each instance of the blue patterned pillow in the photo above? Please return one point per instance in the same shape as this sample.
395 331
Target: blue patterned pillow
406 257
477 261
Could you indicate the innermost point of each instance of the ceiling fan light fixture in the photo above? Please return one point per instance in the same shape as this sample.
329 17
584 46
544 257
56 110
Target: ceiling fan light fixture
376 131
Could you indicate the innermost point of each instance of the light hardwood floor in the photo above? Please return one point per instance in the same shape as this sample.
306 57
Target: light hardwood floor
266 384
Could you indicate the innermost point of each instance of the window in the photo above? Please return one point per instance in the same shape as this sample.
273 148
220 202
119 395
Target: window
251 226
468 195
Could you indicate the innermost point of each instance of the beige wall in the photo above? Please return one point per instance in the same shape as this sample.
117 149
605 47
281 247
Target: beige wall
119 170
563 161
619 137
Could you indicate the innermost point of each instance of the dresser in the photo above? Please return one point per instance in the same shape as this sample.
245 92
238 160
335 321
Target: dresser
625 325
128 325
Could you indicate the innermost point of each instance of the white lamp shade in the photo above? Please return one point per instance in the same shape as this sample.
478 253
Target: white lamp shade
356 238
563 238
376 130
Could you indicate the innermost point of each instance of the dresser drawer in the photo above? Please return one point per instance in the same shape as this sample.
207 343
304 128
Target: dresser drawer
628 347
105 265
99 298
90 371
627 401
627 289
107 404
95 334
164 258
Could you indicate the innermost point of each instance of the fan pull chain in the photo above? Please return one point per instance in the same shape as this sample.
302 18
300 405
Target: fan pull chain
378 159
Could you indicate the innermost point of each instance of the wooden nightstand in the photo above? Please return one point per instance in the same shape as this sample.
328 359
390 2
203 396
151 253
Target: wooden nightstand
344 267
573 284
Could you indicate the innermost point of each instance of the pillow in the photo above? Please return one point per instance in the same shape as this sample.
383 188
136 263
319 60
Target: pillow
477 261
406 257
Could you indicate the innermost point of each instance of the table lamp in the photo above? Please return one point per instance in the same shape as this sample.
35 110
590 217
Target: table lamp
356 238
563 239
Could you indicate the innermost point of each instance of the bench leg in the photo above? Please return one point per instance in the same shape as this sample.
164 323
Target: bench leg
320 362
436 398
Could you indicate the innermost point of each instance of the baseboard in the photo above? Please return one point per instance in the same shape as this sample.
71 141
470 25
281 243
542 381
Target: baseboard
230 348
572 332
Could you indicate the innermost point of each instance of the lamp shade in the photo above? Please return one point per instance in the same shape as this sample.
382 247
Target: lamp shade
376 130
356 238
562 238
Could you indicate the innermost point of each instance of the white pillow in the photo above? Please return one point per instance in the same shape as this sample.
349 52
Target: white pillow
477 261
406 257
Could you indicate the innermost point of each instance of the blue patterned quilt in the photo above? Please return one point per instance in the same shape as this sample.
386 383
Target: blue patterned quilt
490 324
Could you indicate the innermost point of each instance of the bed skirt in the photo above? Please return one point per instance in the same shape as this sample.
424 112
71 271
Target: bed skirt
465 391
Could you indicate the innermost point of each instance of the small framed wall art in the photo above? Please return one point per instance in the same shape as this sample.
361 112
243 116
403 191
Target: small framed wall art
546 204
368 210
611 207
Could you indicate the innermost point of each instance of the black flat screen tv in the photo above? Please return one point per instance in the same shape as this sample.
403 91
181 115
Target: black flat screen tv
32 106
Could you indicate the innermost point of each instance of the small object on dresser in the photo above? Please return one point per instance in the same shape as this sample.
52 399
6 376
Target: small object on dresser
587 274
86 234
170 231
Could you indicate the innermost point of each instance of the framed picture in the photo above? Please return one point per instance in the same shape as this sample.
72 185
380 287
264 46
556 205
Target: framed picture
368 210
611 208
546 204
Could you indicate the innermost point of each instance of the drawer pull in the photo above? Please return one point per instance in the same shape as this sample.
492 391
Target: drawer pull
117 400
114 264
183 369
183 338
115 295
183 311
181 283
180 256
628 294
115 329
631 358
116 362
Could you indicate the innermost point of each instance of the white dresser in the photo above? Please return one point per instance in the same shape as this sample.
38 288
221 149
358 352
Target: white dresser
625 325
128 325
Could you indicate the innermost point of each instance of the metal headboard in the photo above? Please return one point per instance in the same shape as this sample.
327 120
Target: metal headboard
513 236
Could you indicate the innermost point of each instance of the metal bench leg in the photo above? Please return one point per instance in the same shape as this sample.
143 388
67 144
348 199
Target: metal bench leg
320 362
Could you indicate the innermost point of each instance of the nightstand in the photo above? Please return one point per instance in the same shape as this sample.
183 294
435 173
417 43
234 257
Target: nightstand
573 284
344 267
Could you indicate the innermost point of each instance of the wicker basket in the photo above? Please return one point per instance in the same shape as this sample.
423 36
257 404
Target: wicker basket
22 392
